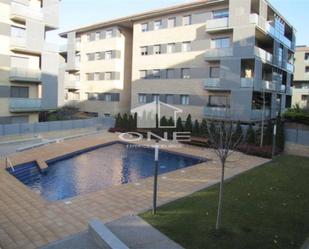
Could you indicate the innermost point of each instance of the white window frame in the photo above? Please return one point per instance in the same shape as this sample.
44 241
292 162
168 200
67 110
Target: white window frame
170 48
187 20
145 27
171 22
157 49
144 51
109 34
142 98
108 55
214 43
184 99
108 76
157 25
96 76
186 46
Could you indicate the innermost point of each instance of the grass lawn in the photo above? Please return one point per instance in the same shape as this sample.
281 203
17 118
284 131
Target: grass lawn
267 207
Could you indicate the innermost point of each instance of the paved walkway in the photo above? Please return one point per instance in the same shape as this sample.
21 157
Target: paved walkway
27 221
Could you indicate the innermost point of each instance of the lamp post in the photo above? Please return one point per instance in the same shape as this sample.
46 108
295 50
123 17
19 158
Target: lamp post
155 181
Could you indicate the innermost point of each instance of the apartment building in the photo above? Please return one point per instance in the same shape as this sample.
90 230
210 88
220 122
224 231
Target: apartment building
97 68
28 64
301 77
216 59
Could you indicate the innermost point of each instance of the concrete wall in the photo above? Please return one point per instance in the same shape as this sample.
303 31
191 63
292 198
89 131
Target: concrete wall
297 139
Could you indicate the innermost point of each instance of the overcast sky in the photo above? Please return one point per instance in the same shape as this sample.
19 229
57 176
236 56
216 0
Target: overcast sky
74 13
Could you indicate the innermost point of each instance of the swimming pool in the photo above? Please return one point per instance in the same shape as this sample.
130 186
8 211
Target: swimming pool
89 171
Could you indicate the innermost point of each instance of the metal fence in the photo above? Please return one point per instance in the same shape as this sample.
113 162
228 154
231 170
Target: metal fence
297 136
36 128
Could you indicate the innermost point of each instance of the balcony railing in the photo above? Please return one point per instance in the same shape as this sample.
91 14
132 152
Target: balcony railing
25 75
217 24
21 12
25 105
271 30
258 114
218 52
72 84
264 55
289 90
268 85
246 82
289 67
283 88
217 112
212 83
20 44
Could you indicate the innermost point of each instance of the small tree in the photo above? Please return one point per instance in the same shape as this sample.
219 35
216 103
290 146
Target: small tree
118 121
188 124
131 123
203 128
280 138
222 138
269 133
196 128
135 121
179 125
250 137
125 122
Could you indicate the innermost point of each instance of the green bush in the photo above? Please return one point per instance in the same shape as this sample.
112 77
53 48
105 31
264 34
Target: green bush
196 128
179 125
250 136
297 115
188 124
203 128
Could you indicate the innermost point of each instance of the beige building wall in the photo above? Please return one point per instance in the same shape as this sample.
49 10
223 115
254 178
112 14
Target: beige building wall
301 77
22 34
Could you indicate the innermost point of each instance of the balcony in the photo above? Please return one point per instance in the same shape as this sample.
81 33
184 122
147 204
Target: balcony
215 53
215 25
283 88
264 55
217 112
19 44
25 105
25 75
258 114
289 67
268 85
73 84
246 82
20 12
212 83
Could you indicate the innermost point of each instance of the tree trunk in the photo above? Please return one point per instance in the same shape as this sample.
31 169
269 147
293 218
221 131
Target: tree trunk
218 223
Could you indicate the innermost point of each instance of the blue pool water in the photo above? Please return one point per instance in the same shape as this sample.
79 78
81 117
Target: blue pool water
97 169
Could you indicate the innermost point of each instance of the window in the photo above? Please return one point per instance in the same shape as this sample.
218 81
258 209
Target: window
156 98
171 22
97 35
185 73
142 98
306 56
184 99
186 20
169 99
108 55
223 13
144 27
219 101
108 97
156 73
91 36
88 37
186 46
90 57
19 92
307 70
97 56
144 51
157 25
90 76
96 76
171 48
18 32
109 34
92 96
157 49
220 42
214 72
108 76
305 97
170 73
143 74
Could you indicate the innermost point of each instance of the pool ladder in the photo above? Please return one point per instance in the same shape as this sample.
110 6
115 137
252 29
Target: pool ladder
9 163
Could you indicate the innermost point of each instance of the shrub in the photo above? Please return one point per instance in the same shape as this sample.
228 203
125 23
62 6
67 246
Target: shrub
196 128
114 130
268 134
188 124
280 138
254 150
179 125
250 136
238 133
297 115
118 122
203 128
